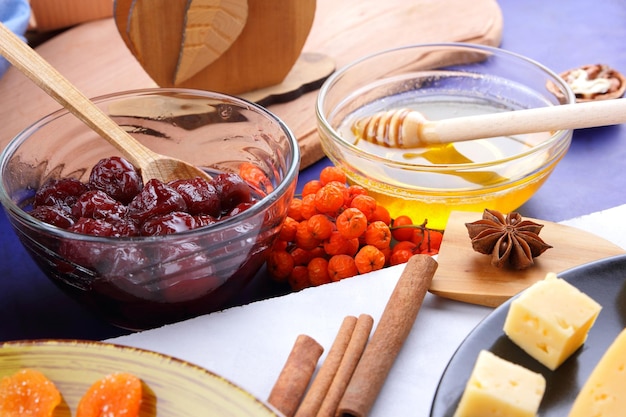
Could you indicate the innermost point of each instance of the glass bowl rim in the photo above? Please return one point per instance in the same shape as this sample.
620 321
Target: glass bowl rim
290 174
324 125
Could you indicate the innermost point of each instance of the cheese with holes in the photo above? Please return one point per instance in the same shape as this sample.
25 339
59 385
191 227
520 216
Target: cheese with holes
603 394
498 387
550 320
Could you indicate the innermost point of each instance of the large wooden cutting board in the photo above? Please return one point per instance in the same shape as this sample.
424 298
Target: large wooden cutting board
94 57
468 276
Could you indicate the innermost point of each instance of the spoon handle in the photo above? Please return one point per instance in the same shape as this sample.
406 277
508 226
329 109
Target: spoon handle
542 119
52 82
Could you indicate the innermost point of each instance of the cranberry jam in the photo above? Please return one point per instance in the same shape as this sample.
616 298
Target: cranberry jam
139 253
115 202
140 278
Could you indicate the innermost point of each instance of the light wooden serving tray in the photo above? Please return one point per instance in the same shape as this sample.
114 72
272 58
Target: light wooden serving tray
94 57
468 276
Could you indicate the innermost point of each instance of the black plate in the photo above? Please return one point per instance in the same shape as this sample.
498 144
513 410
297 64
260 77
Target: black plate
605 282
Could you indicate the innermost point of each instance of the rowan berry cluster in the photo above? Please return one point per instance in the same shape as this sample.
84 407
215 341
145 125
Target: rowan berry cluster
335 231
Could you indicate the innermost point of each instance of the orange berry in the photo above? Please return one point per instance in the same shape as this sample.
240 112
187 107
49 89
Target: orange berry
406 245
308 208
301 256
351 223
340 226
387 252
280 244
295 209
318 271
418 236
288 229
400 256
382 214
329 199
318 252
431 242
342 266
311 187
336 244
369 258
279 265
332 173
299 278
304 237
366 204
435 239
378 235
320 226
255 176
402 228
352 191
340 185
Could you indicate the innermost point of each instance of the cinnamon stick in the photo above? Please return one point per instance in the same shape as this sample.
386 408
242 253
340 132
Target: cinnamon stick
295 376
349 362
321 383
391 332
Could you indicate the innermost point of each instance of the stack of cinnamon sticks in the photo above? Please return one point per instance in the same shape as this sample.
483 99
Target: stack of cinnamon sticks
354 371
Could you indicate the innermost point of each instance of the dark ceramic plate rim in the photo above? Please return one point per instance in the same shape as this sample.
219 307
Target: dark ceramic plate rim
605 282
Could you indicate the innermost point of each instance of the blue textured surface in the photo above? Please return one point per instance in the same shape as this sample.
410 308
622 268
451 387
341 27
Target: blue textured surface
14 14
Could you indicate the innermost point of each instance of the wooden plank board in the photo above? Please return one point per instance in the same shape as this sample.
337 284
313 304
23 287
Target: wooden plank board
468 276
94 57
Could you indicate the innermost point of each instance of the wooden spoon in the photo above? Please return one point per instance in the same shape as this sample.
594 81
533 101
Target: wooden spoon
404 128
31 64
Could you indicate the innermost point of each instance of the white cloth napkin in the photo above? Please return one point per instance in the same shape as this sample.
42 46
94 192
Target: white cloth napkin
610 224
248 345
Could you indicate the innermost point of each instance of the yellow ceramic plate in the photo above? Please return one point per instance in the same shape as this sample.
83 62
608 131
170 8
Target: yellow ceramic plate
172 387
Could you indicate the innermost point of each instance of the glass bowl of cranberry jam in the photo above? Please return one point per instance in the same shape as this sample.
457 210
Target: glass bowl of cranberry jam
139 252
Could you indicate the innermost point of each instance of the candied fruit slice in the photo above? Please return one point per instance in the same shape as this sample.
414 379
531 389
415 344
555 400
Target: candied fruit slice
117 177
117 394
28 392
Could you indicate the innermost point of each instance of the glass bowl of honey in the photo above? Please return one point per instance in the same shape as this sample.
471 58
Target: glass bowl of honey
440 81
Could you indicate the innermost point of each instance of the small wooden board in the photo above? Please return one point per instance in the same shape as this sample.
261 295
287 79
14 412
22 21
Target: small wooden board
468 276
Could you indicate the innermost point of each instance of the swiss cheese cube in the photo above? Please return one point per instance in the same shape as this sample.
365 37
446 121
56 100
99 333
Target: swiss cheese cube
550 320
498 387
603 393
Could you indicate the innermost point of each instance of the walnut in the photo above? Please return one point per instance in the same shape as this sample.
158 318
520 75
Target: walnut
509 240
595 82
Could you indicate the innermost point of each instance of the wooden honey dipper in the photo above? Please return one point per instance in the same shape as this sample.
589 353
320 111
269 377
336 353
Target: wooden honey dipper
406 128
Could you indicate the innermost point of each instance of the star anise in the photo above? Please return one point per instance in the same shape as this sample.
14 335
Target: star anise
510 240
